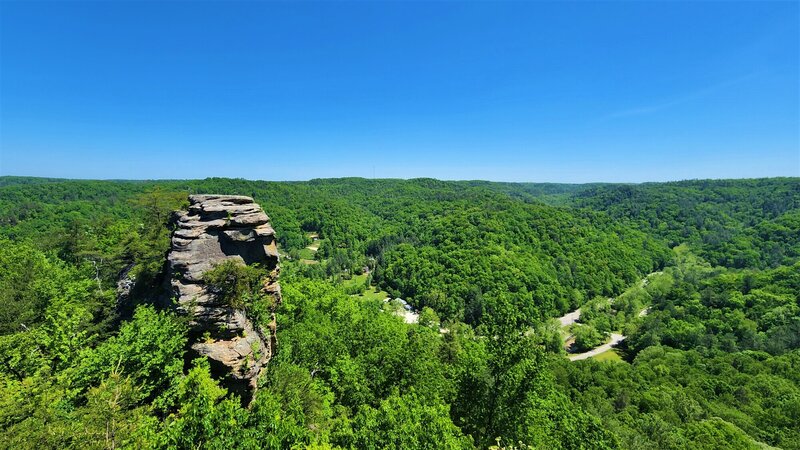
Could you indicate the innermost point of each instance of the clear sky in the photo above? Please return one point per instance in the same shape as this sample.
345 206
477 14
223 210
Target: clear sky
516 91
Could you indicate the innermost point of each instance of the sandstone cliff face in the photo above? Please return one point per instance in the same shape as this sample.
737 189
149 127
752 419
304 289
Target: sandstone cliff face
217 228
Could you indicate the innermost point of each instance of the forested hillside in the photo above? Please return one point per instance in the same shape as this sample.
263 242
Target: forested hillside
736 223
487 266
439 244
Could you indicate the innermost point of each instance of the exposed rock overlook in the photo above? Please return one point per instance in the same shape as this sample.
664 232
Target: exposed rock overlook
217 228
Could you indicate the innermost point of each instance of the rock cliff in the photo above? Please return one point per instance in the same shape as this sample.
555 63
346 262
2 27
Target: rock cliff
217 228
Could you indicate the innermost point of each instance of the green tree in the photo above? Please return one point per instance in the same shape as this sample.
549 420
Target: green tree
587 337
405 421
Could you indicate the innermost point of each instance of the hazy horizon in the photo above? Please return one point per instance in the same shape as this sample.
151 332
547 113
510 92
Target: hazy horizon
133 180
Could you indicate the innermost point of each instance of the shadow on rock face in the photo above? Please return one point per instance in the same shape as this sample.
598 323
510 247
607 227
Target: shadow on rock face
248 246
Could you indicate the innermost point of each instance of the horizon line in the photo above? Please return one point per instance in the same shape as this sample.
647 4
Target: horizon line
143 180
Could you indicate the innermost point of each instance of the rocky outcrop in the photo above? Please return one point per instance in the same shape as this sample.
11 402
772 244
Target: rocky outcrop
217 228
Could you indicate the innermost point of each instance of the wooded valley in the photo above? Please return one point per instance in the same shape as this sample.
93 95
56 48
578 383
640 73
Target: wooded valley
701 277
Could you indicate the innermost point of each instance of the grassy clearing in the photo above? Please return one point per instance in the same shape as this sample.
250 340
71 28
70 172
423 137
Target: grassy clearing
306 253
609 355
371 293
315 241
356 280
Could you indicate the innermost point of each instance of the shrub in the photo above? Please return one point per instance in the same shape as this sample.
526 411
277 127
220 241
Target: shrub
234 283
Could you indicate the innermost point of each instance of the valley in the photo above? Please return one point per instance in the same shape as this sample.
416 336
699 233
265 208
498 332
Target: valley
663 328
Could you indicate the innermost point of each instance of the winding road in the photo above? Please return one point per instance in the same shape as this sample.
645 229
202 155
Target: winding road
615 339
573 316
570 318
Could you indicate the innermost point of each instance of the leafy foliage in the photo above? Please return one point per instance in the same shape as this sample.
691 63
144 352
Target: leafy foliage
714 364
234 283
732 223
588 337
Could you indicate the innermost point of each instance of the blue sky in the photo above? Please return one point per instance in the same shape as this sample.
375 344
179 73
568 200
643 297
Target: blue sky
515 91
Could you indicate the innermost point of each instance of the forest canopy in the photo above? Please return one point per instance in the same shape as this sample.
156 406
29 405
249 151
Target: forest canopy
702 278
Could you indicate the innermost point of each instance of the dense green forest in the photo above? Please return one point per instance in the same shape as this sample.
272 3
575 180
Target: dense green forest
712 362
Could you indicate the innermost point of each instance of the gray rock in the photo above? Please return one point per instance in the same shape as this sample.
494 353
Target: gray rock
217 228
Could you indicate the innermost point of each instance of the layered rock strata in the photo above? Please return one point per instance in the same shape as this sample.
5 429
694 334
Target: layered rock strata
217 228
